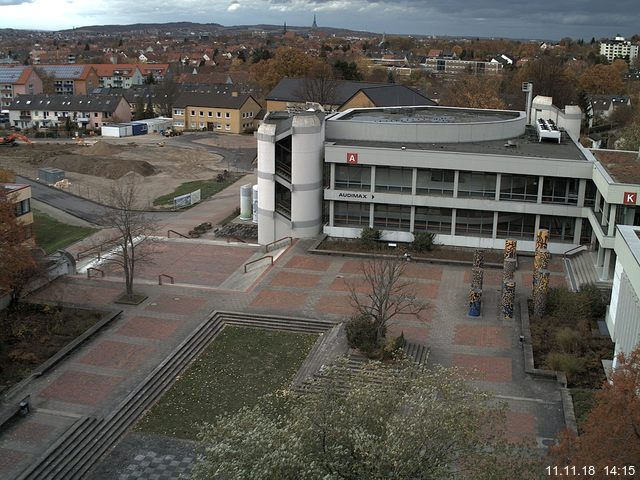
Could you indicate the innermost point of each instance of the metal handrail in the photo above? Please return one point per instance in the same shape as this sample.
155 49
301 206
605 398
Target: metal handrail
177 233
165 275
95 270
98 247
233 237
266 247
257 260
574 249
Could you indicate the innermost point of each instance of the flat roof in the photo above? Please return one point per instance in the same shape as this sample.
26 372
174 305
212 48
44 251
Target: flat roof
526 145
13 186
623 166
426 114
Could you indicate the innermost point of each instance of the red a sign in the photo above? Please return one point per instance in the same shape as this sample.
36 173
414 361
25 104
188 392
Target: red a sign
352 158
630 198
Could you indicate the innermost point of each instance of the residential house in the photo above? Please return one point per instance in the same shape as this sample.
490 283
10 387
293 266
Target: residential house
68 79
294 93
20 196
17 80
87 111
158 70
221 112
122 75
603 106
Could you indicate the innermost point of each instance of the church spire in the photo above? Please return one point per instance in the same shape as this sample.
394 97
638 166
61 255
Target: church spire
284 30
314 25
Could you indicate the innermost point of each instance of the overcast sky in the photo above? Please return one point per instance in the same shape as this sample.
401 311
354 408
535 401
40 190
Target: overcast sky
548 19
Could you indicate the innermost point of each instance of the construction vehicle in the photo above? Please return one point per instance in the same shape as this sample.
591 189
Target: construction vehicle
10 140
170 132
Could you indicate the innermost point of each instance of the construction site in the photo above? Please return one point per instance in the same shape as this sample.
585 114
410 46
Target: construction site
92 167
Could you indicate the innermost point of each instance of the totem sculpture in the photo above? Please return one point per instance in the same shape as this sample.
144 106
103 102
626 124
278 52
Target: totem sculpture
508 297
541 293
477 277
508 281
540 287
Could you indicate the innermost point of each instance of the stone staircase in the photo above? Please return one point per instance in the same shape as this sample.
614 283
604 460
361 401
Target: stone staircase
89 438
581 271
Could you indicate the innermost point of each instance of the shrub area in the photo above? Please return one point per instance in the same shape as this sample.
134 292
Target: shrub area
566 338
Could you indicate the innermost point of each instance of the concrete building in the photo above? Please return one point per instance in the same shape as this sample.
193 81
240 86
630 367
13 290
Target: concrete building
472 177
87 111
68 79
619 48
623 314
456 66
20 196
569 118
231 112
17 80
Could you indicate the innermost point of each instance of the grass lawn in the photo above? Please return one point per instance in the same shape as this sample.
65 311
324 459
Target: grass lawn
583 400
208 188
52 235
240 366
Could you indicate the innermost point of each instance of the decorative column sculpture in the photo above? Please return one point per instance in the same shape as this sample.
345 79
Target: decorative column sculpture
508 297
475 302
541 293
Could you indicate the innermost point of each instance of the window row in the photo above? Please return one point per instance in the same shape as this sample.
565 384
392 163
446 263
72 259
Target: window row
475 223
209 114
522 188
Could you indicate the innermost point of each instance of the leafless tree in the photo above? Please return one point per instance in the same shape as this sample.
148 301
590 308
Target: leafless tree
48 81
133 241
319 86
388 293
166 92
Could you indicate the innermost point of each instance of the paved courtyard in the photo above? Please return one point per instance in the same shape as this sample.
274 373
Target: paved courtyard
102 372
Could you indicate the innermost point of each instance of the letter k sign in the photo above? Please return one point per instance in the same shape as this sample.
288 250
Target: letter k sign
630 198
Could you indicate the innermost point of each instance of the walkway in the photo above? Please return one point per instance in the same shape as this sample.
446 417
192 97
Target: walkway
98 376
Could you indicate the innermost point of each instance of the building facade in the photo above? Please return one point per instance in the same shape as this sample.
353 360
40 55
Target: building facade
619 48
20 196
17 80
68 79
472 177
623 314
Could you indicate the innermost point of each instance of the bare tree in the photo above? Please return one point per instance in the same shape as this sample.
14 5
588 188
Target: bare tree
48 81
388 293
133 242
319 86
166 92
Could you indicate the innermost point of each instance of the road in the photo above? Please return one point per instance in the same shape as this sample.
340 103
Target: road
236 158
77 206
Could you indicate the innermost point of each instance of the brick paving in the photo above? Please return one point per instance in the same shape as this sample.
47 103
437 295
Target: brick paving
80 387
481 336
485 367
118 355
148 327
96 377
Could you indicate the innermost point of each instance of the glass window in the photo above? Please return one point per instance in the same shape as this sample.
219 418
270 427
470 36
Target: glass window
590 194
218 115
193 113
560 190
227 127
474 222
209 114
516 225
23 207
352 177
394 179
523 188
227 115
351 214
435 182
477 184
561 229
201 113
392 217
432 219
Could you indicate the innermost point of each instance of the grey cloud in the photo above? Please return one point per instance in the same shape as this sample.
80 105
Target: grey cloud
4 3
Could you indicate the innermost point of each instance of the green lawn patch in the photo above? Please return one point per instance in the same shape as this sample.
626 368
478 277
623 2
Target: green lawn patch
52 235
583 400
239 367
208 188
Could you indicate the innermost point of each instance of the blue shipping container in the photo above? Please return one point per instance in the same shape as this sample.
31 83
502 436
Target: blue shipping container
139 128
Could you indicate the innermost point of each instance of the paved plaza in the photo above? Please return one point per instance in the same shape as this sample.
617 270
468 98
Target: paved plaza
96 377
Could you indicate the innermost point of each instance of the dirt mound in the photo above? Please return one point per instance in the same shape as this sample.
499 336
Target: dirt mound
100 167
102 148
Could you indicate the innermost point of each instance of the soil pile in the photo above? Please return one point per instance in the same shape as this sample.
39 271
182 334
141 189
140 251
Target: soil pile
100 166
102 149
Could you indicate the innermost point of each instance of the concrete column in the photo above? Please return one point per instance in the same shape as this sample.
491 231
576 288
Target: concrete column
536 226
540 185
456 179
582 190
332 209
371 215
412 221
414 184
612 220
600 257
606 264
453 220
494 232
577 231
596 202
605 214
497 197
373 179
629 215
332 180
